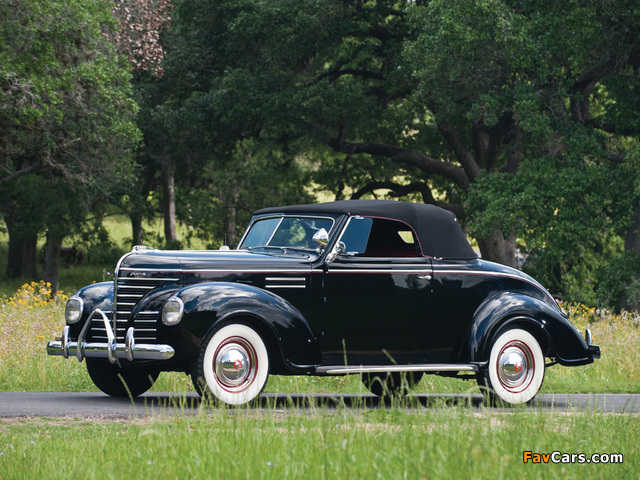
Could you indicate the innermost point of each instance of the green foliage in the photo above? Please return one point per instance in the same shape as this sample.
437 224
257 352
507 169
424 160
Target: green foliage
565 214
518 105
63 87
619 280
468 57
528 108
67 116
256 176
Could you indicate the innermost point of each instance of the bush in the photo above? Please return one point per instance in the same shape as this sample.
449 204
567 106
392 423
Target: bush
619 284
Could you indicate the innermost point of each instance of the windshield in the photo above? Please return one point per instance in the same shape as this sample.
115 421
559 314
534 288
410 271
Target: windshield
290 232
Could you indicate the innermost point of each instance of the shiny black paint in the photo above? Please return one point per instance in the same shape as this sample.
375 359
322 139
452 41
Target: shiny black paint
463 293
217 285
314 310
376 311
208 304
557 336
97 295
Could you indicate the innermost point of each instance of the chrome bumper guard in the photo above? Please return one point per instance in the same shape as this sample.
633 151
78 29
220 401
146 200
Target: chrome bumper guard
594 350
112 350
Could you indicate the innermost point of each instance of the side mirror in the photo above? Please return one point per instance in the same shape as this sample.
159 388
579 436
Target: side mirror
321 239
339 249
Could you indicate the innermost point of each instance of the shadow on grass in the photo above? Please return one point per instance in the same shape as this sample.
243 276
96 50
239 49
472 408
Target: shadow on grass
191 403
270 401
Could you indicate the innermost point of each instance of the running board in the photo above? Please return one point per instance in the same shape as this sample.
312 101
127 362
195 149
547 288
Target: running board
429 367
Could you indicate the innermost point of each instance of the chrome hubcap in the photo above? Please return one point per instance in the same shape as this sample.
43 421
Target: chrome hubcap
233 364
514 366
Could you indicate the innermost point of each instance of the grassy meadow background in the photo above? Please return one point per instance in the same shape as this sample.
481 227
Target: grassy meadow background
396 442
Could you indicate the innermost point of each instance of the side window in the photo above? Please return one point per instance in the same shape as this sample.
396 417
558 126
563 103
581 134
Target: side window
378 237
356 235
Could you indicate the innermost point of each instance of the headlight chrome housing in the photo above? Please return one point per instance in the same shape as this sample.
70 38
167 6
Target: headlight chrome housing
73 310
172 311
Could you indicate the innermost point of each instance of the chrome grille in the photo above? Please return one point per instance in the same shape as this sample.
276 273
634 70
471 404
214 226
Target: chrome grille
129 291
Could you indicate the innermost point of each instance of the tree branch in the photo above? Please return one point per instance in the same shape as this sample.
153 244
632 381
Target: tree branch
402 190
20 173
463 154
406 157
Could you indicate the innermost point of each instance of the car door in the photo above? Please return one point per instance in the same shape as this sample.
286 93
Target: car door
377 296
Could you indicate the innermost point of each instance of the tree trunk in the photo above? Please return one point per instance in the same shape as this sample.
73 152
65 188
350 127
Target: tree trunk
230 220
51 272
632 244
169 204
21 259
231 227
137 237
499 248
138 204
632 239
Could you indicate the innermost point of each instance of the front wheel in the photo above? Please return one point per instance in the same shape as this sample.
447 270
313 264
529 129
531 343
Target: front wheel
516 368
120 382
233 365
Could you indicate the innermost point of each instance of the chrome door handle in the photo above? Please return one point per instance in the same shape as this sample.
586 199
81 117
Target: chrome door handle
424 277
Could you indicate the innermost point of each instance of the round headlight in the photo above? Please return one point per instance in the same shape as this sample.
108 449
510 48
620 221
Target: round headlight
73 310
172 311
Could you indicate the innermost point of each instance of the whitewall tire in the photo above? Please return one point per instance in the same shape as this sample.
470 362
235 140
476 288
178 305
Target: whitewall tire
234 364
516 367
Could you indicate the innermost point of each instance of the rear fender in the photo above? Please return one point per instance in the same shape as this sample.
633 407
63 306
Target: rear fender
206 305
558 338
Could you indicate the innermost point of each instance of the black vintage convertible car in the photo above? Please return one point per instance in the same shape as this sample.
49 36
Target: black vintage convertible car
387 290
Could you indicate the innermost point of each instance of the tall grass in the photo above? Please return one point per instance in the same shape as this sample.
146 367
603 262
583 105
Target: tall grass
29 318
320 444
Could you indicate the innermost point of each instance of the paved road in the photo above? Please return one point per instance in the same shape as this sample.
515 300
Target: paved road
62 404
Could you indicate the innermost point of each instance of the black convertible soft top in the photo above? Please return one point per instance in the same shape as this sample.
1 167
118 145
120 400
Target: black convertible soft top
438 230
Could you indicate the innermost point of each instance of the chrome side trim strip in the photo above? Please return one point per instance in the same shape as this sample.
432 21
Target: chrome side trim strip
272 287
390 271
146 279
303 269
285 282
429 367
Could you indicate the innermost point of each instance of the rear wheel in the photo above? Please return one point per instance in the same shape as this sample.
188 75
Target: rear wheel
516 368
392 384
120 382
233 365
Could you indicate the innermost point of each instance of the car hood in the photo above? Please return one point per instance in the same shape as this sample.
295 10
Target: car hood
214 261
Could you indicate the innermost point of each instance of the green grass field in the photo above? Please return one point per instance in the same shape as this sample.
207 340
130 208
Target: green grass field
324 444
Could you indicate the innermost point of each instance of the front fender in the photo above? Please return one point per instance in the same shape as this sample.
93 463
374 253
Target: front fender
97 295
208 304
558 337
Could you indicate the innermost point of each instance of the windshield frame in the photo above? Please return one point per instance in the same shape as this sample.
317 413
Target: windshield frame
281 218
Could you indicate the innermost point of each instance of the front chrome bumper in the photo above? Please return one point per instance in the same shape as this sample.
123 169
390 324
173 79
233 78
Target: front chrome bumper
111 350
